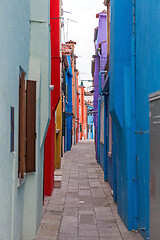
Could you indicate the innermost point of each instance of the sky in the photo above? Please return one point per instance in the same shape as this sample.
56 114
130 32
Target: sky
82 31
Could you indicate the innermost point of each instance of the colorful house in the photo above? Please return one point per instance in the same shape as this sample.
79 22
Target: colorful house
90 124
81 112
67 94
25 113
58 143
74 91
133 75
77 120
70 94
51 138
100 56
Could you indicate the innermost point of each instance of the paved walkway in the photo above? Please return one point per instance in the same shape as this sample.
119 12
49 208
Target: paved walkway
83 208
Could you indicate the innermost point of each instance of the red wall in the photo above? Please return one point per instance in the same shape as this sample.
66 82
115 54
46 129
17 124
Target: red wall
55 96
55 51
49 151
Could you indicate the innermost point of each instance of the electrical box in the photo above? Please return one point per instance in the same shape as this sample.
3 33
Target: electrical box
154 100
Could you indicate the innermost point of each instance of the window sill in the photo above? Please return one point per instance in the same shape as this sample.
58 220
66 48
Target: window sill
21 181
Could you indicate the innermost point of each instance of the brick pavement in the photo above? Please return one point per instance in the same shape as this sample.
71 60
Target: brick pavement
83 208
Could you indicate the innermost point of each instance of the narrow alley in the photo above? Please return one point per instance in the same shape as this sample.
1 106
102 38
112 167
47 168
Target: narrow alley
83 207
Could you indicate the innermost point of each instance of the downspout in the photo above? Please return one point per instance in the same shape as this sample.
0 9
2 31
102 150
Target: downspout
98 143
105 140
133 118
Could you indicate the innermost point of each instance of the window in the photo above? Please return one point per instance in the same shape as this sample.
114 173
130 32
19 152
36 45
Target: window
80 127
27 126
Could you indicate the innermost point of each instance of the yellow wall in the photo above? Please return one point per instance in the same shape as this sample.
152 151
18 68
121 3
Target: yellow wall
58 135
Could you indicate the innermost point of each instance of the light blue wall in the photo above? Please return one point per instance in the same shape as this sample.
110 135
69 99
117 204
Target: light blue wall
20 207
14 44
39 70
90 123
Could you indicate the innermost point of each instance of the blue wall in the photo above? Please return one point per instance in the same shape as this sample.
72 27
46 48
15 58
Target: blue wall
68 106
90 123
147 81
134 74
121 108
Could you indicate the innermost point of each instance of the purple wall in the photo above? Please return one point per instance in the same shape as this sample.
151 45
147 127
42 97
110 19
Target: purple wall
96 83
100 63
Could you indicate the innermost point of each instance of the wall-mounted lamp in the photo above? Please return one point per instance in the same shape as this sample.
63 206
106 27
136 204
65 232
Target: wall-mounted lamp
51 87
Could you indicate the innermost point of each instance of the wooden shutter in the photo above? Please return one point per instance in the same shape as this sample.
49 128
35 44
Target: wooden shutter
31 126
21 151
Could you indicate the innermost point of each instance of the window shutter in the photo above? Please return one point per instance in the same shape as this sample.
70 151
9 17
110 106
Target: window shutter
31 126
21 152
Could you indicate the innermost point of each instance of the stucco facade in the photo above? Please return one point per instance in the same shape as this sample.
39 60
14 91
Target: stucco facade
24 47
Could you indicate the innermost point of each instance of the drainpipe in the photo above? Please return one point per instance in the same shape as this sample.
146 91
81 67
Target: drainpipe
99 120
133 118
100 81
105 141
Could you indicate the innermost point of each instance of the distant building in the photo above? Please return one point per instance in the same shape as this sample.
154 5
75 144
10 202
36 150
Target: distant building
67 97
74 91
90 123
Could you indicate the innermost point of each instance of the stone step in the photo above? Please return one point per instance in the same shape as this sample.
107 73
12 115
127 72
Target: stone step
57 179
